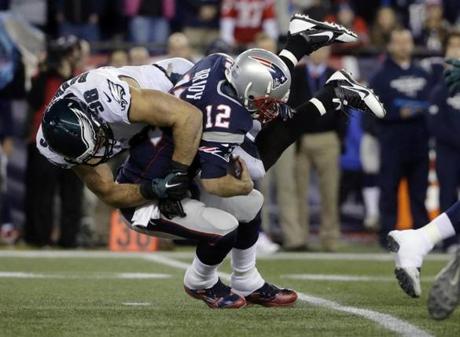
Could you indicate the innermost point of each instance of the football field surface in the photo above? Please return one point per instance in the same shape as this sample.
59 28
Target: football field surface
97 293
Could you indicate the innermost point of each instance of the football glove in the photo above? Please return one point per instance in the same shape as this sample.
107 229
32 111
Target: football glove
174 186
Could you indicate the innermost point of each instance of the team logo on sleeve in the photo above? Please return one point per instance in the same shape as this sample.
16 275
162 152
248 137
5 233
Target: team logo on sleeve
118 93
277 74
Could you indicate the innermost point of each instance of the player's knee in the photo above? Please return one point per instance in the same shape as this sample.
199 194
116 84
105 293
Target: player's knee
251 206
222 222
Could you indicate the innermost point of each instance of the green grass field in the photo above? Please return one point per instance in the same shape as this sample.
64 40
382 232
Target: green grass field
66 293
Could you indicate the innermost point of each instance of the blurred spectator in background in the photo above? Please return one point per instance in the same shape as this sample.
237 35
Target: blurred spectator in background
149 20
385 22
435 27
318 150
118 58
403 88
218 46
370 161
346 16
179 46
351 178
43 179
452 11
241 20
317 9
84 54
200 19
33 11
79 18
444 124
8 232
139 56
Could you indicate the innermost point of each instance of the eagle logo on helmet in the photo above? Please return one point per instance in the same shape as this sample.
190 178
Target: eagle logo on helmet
277 74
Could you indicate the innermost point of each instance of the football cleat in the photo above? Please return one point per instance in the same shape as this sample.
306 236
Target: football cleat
319 34
354 95
444 296
218 296
271 296
408 246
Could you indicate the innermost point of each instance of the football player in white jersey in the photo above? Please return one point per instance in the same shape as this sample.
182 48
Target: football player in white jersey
411 246
94 116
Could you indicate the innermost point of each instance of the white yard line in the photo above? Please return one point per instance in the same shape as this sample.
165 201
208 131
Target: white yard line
122 276
344 278
138 304
389 322
189 255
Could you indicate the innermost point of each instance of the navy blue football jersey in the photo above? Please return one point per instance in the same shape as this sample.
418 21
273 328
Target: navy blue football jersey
225 119
225 123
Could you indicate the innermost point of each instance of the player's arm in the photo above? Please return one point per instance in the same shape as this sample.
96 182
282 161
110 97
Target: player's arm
229 185
164 110
100 181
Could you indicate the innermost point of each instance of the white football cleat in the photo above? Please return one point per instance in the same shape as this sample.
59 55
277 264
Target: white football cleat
320 33
444 296
265 246
410 247
355 95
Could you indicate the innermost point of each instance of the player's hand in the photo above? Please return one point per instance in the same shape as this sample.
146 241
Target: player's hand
285 112
452 76
171 208
245 177
174 186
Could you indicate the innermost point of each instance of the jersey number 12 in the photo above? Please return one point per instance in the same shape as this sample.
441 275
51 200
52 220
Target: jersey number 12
222 116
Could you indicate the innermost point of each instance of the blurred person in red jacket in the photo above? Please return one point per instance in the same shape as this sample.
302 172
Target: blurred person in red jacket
241 20
44 180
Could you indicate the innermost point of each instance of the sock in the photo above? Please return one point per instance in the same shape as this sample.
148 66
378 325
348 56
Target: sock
454 216
200 275
437 230
371 200
323 102
245 277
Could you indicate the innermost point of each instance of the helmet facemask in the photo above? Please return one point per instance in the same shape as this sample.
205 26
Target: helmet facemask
261 81
264 109
101 137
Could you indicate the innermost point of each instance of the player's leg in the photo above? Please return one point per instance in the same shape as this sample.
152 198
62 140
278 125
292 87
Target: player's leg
341 90
444 295
411 246
213 229
306 35
201 280
246 279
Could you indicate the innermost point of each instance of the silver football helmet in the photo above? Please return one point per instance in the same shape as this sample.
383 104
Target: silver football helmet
262 81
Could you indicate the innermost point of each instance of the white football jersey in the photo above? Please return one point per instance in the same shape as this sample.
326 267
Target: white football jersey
105 93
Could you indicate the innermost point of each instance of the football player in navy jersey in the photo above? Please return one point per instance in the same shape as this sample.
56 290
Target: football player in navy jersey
235 95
